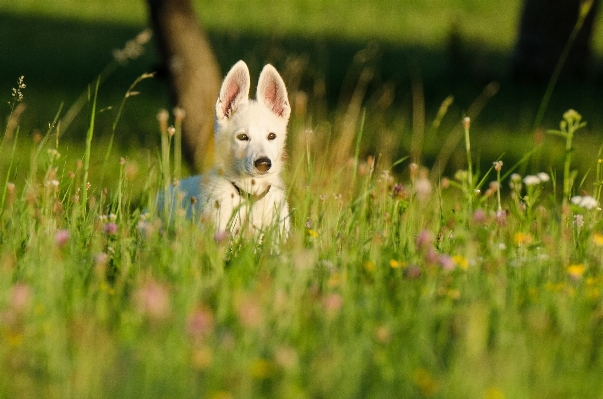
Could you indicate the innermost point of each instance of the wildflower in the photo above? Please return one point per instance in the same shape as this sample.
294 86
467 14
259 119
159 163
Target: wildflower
520 238
492 188
412 272
572 115
543 177
152 299
171 131
20 297
501 217
413 168
394 264
461 175
200 323
162 117
399 192
133 48
61 238
423 185
424 240
587 202
110 228
466 122
576 271
17 94
598 239
497 165
179 114
101 259
250 312
531 180
332 304
479 216
461 261
446 262
221 236
313 233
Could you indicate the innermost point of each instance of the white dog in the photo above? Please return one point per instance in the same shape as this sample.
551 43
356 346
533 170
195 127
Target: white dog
244 190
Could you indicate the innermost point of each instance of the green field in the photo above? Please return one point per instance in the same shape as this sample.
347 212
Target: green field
476 283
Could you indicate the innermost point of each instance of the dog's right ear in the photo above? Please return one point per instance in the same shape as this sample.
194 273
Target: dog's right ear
234 91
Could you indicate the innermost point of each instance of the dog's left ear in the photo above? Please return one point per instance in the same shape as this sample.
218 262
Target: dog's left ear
272 92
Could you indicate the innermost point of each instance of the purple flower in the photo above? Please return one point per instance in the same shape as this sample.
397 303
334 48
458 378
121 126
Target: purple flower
61 237
424 241
110 228
479 216
501 218
153 300
446 262
221 236
200 323
412 272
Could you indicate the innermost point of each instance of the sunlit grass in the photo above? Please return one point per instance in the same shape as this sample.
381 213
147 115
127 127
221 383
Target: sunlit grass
393 21
481 284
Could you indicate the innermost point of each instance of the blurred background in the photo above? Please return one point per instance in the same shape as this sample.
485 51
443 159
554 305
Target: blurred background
395 62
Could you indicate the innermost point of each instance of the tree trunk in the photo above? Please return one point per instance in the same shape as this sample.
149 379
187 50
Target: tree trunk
192 72
546 26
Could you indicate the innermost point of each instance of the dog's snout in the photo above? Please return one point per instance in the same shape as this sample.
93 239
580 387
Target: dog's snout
263 164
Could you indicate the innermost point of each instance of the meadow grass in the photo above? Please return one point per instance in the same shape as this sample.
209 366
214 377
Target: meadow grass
482 284
396 281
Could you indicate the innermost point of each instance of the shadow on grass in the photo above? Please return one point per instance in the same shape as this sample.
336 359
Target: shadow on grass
61 58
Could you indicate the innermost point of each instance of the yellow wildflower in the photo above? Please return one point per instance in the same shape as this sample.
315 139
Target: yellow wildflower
522 238
598 239
370 266
461 261
312 233
576 271
394 264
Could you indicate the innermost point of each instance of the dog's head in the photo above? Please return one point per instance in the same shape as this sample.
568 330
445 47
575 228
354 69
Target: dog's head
250 134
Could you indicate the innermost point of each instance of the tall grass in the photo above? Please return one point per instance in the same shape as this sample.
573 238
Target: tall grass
386 287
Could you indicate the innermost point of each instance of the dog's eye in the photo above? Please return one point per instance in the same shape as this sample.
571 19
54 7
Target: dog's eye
242 137
271 136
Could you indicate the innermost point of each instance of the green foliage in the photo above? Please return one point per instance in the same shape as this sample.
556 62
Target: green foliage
392 283
387 287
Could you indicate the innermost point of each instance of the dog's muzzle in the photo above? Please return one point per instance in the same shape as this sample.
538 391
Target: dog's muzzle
263 164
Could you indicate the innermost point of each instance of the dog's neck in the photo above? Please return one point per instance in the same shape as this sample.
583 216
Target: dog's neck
250 195
255 186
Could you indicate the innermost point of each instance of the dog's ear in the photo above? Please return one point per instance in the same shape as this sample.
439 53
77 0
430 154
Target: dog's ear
234 91
272 92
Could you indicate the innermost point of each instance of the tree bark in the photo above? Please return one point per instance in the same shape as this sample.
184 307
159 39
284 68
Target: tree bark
545 28
192 72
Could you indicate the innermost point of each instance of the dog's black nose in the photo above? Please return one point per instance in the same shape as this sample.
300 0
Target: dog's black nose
263 164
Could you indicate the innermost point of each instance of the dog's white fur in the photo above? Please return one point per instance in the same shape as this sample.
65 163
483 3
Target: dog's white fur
239 194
